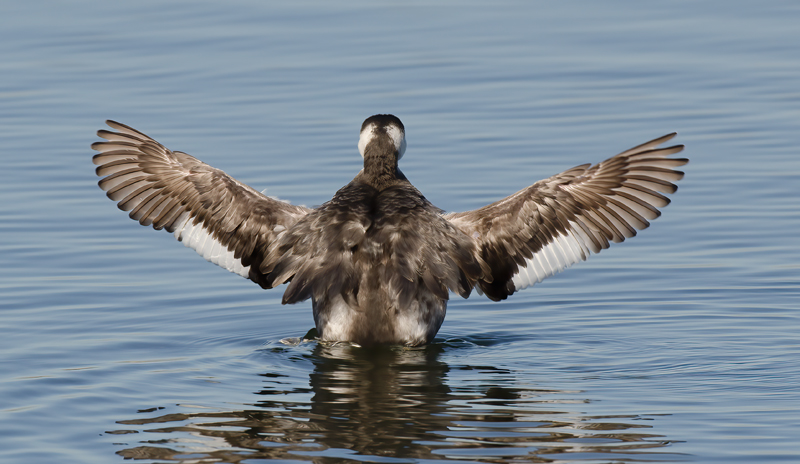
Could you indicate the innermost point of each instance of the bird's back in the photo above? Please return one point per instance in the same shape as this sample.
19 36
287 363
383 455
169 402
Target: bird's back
377 264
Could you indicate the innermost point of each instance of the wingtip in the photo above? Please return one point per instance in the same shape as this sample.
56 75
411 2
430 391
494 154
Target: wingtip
116 125
124 129
667 137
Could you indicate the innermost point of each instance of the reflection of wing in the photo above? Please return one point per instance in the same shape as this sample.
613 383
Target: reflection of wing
557 222
225 221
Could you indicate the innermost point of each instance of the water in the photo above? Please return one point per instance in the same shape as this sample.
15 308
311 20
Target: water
680 345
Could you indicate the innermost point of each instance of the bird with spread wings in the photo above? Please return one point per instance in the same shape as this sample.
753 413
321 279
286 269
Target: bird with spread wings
379 260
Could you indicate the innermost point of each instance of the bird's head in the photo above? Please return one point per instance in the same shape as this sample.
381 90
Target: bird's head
382 135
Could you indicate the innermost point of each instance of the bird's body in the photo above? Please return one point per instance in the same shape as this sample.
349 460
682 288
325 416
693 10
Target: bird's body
379 260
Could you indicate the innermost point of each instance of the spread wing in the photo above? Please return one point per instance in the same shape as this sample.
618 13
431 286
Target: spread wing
223 220
559 221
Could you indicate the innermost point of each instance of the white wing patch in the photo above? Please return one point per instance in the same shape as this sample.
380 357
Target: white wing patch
196 237
563 251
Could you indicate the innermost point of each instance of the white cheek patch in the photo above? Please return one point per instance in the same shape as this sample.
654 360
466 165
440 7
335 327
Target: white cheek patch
398 138
396 134
365 138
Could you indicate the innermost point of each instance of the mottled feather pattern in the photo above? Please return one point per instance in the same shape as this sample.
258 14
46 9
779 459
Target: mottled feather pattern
559 221
394 238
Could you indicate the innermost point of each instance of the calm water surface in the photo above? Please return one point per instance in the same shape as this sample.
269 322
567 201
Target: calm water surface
680 345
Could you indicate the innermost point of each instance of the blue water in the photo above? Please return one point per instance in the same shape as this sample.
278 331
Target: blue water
680 345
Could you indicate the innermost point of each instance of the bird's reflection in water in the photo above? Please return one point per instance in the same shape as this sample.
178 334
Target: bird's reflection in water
405 404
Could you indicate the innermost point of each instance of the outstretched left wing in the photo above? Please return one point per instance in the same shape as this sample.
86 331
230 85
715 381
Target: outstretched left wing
557 222
223 220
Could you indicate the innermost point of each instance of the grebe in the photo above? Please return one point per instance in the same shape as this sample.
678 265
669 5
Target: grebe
379 260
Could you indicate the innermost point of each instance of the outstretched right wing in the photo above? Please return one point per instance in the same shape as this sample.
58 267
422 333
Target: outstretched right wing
559 221
226 222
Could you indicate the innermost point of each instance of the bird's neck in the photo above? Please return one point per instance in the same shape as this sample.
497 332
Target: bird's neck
380 171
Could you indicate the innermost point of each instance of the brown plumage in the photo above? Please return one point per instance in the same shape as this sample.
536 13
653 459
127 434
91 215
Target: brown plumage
379 260
600 203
